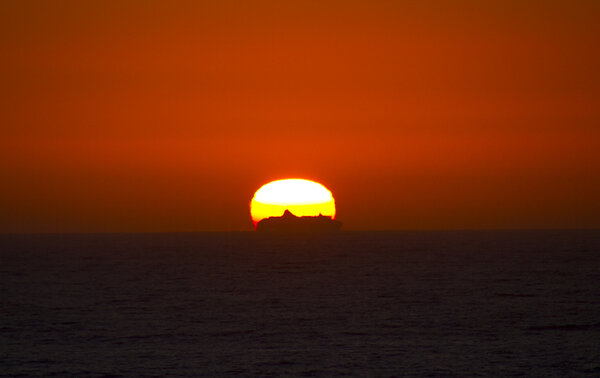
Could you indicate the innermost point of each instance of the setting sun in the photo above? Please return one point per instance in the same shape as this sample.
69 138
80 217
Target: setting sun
301 197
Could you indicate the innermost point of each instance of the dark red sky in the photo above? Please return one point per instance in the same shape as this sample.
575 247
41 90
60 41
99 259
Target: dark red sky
167 116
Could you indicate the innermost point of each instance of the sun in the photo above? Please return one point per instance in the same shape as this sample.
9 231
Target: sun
301 197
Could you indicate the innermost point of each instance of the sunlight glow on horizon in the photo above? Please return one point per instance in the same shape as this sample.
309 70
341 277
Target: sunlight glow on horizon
301 197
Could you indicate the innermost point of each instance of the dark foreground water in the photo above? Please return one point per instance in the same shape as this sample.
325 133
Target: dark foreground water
355 303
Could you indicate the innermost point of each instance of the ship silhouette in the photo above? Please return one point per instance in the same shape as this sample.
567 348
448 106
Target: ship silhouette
289 223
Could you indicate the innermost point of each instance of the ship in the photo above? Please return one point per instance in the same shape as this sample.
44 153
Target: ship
289 223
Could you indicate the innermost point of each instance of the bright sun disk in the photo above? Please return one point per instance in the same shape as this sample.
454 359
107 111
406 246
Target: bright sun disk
301 197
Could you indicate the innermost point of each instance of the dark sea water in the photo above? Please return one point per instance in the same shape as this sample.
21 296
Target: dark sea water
503 303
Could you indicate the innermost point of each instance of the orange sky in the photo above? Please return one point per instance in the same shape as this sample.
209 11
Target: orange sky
167 116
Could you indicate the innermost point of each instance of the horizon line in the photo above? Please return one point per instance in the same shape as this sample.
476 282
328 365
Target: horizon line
342 231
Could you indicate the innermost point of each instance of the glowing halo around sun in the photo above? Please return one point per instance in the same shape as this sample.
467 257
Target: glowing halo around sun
301 197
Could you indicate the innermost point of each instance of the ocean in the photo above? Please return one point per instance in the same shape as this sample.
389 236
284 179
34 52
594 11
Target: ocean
380 304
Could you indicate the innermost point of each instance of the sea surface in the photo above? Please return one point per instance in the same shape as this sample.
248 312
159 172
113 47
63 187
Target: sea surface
380 304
